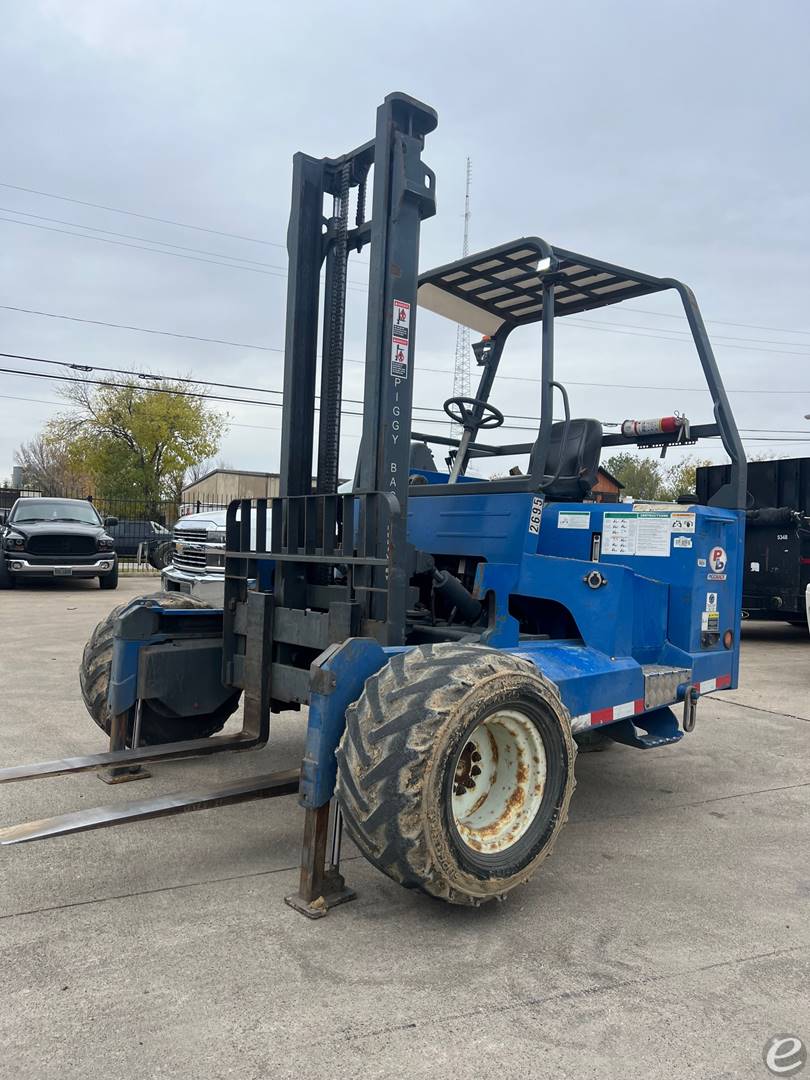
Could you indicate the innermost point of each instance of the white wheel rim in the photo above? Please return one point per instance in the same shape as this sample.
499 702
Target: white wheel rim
498 782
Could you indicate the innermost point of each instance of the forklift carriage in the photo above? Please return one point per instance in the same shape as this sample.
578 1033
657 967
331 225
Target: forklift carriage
453 638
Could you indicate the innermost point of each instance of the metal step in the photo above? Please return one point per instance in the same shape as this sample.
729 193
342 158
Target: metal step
181 802
647 731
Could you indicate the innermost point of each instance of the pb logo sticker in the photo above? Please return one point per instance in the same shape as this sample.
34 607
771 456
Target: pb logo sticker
718 560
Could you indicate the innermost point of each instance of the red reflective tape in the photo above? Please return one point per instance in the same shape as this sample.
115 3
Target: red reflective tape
723 681
804 562
638 706
602 716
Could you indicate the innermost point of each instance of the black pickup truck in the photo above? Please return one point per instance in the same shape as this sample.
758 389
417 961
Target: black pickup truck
46 538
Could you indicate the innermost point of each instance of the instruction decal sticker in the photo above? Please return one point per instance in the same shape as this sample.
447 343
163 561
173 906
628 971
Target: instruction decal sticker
400 339
645 533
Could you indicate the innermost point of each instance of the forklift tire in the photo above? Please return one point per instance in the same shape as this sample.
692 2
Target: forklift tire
407 778
158 725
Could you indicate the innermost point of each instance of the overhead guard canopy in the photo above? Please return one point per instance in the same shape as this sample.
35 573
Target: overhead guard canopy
504 285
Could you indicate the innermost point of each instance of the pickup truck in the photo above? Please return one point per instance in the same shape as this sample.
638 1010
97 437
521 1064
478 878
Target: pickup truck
197 565
48 538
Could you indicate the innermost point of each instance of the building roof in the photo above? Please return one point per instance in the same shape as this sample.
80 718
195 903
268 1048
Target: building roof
229 472
611 477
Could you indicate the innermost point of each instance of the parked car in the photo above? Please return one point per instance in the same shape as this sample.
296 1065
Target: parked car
45 538
129 535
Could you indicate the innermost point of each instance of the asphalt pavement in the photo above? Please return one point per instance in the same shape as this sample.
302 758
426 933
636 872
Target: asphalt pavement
667 937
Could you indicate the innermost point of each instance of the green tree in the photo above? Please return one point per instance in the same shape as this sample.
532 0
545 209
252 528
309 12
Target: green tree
641 475
647 479
681 479
133 442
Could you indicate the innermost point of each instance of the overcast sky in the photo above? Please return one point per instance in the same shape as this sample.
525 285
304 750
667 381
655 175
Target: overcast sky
671 137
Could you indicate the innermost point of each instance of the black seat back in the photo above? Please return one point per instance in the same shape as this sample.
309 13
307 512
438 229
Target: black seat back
577 462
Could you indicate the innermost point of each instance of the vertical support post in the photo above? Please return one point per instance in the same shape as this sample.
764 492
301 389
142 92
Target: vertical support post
304 248
404 194
334 320
547 384
482 394
735 493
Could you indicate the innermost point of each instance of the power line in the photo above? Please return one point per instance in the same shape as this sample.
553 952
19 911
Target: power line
130 236
196 382
140 247
141 329
277 404
604 328
159 251
194 394
180 379
144 217
232 423
349 360
721 322
351 435
687 334
272 243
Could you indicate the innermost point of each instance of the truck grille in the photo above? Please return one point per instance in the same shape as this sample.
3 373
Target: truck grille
189 553
61 545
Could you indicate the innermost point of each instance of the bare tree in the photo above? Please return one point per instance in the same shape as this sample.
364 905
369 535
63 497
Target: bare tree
47 467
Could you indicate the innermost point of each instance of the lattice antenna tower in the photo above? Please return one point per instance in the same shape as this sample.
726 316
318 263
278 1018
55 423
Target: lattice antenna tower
461 369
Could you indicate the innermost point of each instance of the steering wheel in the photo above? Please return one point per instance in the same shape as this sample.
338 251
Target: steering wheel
460 410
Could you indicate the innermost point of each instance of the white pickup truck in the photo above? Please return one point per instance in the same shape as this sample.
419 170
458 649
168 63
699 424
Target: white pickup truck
198 565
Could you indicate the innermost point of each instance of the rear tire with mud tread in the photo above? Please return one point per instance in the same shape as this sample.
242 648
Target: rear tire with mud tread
156 728
402 737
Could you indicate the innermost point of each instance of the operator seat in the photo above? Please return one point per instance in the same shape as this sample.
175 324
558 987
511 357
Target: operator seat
579 467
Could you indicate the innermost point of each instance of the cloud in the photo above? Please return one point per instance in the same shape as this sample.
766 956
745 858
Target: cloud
670 144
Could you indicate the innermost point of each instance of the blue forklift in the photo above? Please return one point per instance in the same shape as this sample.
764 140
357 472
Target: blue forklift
452 638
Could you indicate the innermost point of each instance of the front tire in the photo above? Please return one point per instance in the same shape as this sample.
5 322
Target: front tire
157 725
109 580
455 771
6 577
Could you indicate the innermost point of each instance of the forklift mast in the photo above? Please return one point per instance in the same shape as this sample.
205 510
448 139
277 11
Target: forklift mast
307 534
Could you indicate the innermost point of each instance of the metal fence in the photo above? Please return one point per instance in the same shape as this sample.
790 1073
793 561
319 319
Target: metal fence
142 533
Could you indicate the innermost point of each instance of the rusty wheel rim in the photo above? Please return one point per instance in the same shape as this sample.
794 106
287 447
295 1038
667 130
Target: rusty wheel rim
498 781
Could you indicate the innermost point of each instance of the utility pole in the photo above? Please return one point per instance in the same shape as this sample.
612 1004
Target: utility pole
461 369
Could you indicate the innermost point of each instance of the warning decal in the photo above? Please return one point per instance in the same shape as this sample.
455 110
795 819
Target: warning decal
682 523
400 339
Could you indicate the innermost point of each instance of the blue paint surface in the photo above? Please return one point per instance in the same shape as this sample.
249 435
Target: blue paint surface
649 611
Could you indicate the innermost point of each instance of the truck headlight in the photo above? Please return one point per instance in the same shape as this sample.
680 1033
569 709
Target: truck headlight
14 541
105 543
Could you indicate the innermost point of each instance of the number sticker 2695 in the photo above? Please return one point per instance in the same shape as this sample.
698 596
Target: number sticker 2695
536 515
